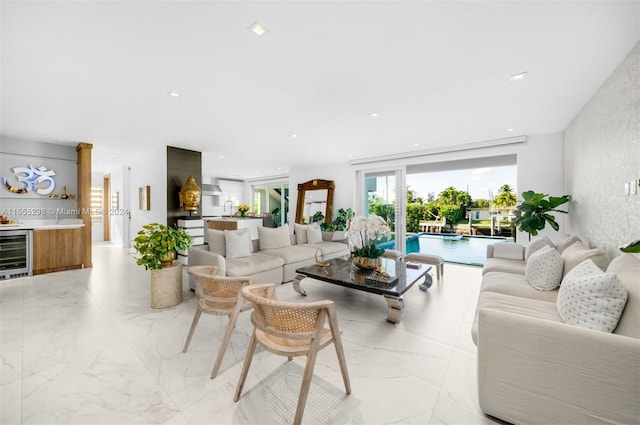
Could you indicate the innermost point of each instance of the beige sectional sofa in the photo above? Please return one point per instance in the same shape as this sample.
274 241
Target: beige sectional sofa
272 258
533 367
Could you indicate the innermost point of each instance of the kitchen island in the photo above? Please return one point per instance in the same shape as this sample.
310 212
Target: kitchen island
235 223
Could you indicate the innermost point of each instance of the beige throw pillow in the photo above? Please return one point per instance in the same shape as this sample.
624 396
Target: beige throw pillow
591 298
238 243
566 242
314 234
274 238
301 232
215 239
506 250
579 252
544 269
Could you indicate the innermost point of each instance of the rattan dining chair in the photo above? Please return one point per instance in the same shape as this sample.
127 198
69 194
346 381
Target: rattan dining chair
218 295
292 329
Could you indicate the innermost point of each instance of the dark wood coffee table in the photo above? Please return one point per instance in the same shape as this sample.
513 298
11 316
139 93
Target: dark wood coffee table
343 273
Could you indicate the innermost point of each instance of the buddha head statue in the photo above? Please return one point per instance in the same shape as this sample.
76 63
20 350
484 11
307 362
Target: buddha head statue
190 195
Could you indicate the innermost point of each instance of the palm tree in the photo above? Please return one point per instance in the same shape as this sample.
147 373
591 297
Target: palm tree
505 198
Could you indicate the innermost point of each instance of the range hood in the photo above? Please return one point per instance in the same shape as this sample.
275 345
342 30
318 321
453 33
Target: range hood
210 189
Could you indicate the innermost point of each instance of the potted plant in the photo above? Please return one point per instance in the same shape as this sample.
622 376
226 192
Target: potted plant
535 211
365 232
157 245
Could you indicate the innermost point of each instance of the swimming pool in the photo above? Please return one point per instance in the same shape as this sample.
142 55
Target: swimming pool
453 248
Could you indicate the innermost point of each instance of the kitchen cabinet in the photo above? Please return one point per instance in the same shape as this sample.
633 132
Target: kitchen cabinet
57 250
194 227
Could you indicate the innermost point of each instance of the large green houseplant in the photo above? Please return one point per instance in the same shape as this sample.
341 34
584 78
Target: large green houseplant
535 211
157 244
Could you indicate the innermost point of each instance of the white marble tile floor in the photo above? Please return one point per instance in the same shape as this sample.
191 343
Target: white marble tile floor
84 347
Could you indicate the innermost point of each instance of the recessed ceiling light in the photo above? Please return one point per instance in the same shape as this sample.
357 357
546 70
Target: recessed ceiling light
373 114
174 94
117 151
221 157
293 136
518 77
258 29
510 129
415 145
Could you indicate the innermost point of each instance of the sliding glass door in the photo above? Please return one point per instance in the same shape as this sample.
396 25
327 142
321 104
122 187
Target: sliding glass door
382 192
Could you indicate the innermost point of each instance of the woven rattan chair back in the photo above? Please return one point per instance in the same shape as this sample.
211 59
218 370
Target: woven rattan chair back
219 295
292 329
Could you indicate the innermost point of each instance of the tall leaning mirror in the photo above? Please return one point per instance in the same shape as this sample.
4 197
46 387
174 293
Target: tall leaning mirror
315 195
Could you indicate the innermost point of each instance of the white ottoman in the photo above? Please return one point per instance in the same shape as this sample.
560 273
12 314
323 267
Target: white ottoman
433 260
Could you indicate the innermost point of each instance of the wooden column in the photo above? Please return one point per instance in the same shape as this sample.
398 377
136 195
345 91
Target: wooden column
84 198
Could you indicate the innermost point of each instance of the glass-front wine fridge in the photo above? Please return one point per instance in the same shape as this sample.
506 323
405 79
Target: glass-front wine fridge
15 253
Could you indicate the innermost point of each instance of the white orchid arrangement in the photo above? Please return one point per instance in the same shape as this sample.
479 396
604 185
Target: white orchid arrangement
364 232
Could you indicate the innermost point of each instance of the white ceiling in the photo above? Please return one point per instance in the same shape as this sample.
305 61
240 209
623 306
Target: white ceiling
437 73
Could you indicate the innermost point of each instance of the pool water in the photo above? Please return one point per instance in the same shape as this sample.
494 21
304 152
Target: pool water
453 248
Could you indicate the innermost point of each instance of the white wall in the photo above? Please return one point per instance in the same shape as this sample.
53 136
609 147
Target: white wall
342 176
540 168
602 153
151 170
62 159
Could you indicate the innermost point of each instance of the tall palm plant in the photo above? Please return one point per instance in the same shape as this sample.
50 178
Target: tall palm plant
505 198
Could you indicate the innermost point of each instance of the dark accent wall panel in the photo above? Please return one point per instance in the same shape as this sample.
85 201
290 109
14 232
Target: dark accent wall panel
181 163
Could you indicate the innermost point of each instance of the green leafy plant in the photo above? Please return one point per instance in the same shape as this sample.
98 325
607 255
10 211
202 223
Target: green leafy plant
343 218
535 211
631 248
156 242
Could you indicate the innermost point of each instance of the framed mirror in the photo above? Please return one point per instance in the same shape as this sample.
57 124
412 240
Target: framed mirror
315 195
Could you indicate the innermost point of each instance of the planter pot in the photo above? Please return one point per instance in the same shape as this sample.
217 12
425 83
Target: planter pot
166 286
367 263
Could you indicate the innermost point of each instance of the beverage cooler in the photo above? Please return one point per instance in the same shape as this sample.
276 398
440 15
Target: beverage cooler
15 253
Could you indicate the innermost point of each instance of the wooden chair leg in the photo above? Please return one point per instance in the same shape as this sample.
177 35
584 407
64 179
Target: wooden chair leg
233 317
194 323
306 382
245 367
342 361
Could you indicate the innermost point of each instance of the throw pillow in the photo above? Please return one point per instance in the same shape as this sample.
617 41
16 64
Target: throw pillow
314 234
274 238
339 235
579 252
591 298
238 243
507 251
301 232
215 239
535 244
566 242
544 269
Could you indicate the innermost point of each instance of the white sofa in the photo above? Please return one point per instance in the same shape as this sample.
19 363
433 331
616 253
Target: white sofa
272 258
534 368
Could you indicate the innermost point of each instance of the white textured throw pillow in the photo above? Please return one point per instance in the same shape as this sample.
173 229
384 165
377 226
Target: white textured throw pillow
238 243
544 269
535 244
301 232
591 298
274 238
314 234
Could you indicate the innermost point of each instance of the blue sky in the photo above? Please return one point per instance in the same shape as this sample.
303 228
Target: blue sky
479 180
